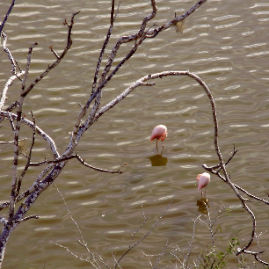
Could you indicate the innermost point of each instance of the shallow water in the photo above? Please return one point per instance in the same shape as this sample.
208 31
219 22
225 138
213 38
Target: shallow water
226 44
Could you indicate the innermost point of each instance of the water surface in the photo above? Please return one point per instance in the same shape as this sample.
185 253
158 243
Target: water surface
226 44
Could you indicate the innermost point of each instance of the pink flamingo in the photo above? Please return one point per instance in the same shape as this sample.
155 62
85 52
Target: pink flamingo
160 133
203 180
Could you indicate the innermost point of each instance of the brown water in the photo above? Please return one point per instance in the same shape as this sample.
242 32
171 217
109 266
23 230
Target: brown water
226 44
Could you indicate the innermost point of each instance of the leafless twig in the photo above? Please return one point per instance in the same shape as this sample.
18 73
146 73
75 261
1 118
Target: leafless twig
144 236
186 258
59 58
28 159
80 160
6 17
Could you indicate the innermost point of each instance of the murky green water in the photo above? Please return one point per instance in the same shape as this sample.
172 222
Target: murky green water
226 44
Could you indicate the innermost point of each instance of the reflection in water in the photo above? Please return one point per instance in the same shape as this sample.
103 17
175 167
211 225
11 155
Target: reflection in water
23 146
203 205
158 160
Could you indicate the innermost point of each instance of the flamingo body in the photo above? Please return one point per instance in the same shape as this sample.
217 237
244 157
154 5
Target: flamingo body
159 132
203 180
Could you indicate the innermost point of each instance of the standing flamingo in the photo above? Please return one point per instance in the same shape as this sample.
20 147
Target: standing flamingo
203 180
160 133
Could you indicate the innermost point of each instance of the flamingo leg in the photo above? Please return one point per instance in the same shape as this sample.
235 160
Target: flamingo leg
203 192
157 145
162 148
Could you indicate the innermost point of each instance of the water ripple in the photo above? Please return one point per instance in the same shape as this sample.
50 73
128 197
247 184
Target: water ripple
226 17
257 54
229 25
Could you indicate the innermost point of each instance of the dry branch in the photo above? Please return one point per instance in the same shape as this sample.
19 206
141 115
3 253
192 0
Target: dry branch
39 131
6 17
59 58
79 159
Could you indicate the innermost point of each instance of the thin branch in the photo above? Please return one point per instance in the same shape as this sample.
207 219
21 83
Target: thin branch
253 229
27 68
54 52
211 169
104 46
50 67
72 253
79 159
6 17
143 237
125 39
256 254
160 255
15 104
138 229
69 213
95 168
14 186
153 33
12 125
4 205
27 218
82 241
251 195
143 80
28 159
186 258
12 78
35 184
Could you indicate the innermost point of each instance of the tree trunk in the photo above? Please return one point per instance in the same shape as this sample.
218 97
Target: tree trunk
3 240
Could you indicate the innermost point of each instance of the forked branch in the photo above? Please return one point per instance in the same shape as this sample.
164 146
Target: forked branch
58 58
76 156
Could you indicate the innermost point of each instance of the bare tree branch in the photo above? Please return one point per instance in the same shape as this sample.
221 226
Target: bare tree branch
39 131
160 255
153 33
28 159
255 254
80 160
50 67
6 17
27 218
112 19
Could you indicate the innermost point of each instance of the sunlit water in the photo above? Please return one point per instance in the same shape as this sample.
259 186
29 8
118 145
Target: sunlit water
226 44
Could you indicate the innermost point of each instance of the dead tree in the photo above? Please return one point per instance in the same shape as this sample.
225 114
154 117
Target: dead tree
19 202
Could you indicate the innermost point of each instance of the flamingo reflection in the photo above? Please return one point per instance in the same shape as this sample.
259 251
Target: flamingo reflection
203 205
